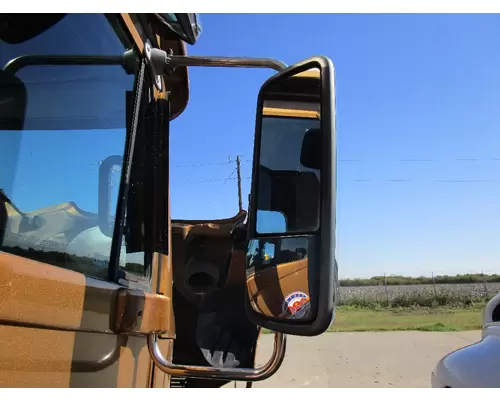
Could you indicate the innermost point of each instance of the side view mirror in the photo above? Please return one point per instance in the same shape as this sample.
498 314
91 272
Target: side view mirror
106 219
291 271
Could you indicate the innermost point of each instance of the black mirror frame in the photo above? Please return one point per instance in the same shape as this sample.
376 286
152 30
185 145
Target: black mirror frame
324 238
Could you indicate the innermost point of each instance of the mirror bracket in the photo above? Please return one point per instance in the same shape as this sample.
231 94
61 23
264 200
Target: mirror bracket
233 374
161 61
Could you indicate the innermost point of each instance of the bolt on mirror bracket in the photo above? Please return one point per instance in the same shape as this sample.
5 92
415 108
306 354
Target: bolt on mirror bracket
154 62
233 374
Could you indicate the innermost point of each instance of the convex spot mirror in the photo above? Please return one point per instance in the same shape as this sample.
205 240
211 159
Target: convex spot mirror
291 269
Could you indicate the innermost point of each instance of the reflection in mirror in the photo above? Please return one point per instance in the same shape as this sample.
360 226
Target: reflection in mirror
270 221
289 158
277 277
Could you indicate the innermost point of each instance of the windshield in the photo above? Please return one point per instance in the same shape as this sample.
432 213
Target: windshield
57 124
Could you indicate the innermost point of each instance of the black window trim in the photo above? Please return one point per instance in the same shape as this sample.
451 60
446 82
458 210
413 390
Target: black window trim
142 86
119 227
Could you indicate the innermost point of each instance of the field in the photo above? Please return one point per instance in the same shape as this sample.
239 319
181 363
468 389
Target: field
455 295
421 280
440 307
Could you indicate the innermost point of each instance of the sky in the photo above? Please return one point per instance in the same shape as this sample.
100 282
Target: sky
417 128
417 122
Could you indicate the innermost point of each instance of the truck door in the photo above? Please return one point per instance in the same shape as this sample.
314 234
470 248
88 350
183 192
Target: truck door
64 322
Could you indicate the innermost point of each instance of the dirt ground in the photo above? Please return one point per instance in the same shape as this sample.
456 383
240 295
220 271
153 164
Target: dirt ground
361 359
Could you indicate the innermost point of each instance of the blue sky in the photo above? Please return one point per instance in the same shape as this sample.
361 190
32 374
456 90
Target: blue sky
416 87
409 87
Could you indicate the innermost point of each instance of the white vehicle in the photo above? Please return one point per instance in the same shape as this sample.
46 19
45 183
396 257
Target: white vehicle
477 365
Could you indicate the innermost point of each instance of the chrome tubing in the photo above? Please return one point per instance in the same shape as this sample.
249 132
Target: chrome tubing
230 374
205 61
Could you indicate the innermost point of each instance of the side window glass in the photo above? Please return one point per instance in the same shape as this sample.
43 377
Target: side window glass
57 124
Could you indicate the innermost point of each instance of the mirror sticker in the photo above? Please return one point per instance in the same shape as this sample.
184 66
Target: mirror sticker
297 304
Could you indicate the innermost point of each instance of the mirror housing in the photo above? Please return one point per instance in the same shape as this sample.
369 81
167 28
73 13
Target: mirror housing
291 270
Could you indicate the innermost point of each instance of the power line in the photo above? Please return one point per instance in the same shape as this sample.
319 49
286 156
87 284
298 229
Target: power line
360 160
203 165
394 180
225 181
248 159
209 164
417 160
426 181
210 180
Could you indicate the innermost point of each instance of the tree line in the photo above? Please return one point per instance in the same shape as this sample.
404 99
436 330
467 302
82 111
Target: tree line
82 264
421 280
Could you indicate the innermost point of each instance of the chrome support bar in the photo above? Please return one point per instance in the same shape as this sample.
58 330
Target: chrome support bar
160 62
198 61
230 374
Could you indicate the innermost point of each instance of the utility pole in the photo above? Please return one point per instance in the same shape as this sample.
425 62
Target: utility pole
238 169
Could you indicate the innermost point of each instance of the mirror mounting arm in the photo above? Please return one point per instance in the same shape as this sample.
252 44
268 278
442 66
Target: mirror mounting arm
233 374
174 62
159 61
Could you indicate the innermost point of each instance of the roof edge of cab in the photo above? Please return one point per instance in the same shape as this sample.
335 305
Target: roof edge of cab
144 27
177 81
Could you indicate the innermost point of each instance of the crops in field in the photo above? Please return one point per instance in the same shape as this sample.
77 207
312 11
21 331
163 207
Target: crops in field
418 295
420 280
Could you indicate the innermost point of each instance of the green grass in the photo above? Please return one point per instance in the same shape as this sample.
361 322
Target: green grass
442 319
352 319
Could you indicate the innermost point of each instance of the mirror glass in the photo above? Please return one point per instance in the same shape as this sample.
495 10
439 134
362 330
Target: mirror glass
287 199
277 277
288 190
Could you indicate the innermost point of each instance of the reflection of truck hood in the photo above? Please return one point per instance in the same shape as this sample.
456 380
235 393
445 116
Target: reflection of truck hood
291 109
65 217
268 287
63 227
93 243
58 224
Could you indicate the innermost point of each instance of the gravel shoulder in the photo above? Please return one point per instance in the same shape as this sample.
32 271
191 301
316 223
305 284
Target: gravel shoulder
361 359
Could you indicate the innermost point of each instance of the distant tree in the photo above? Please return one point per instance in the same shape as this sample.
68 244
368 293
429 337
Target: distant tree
421 280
